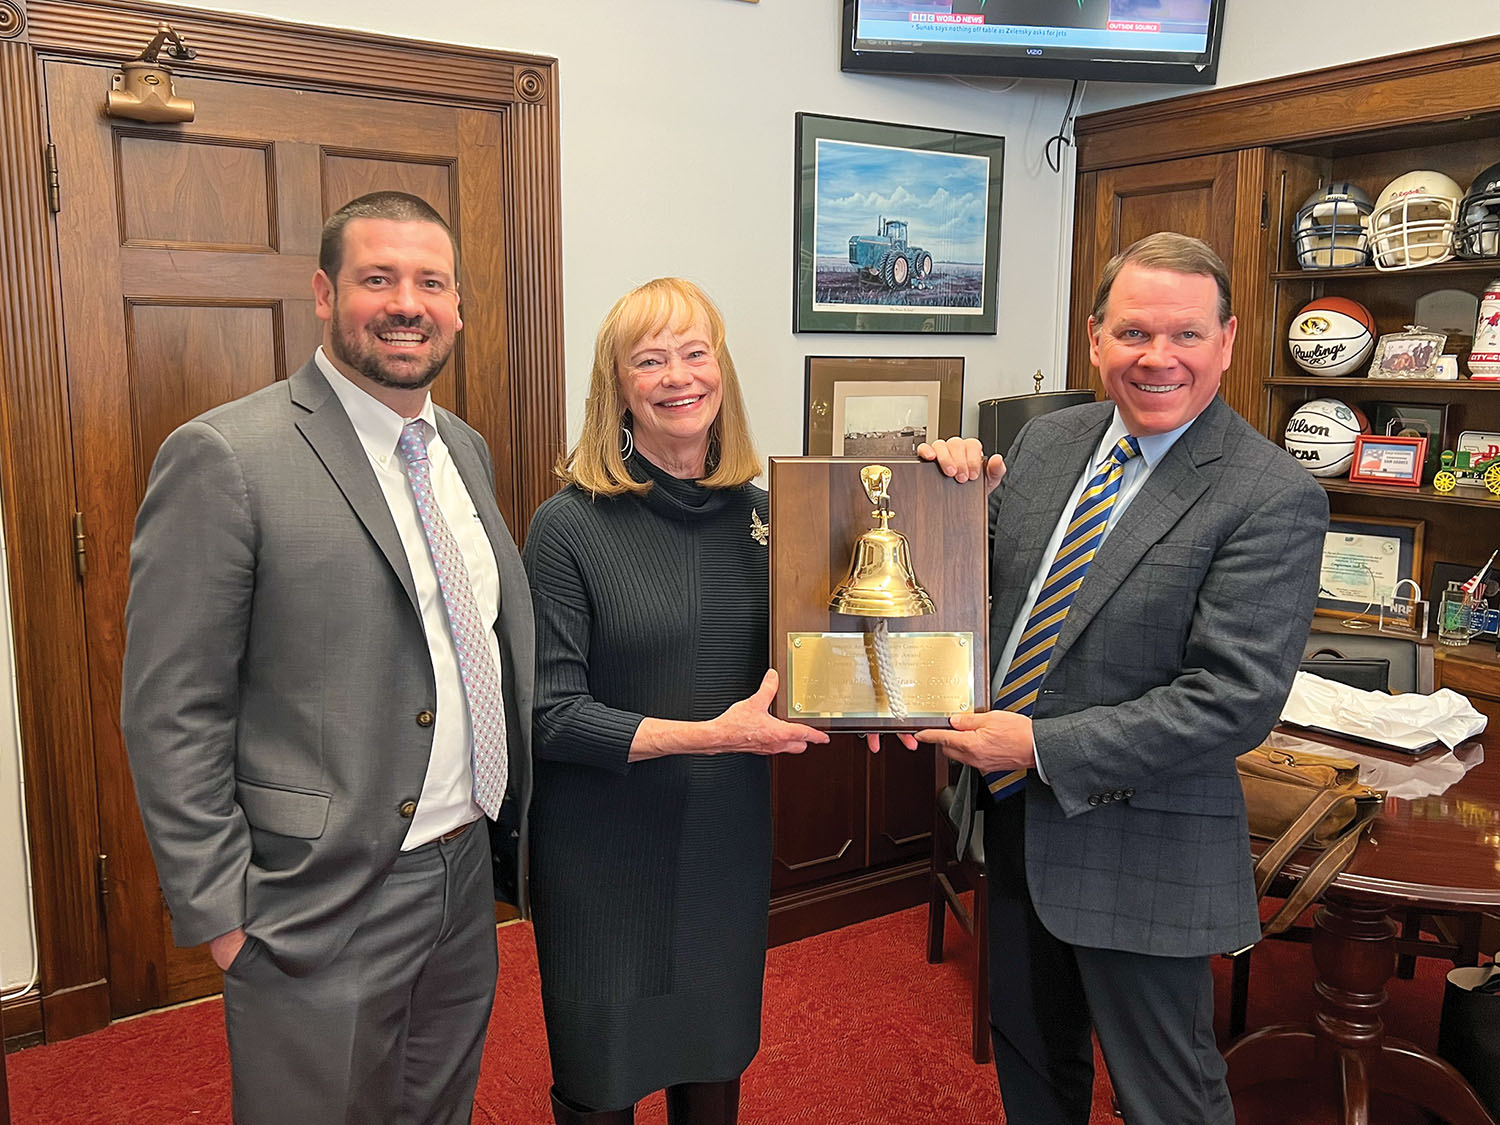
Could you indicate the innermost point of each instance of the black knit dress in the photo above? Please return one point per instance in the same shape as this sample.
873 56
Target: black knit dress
650 881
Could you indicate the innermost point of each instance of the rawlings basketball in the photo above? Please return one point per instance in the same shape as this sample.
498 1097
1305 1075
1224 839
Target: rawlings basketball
1321 436
1331 336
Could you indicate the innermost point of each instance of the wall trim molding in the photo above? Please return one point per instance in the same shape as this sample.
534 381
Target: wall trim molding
1429 85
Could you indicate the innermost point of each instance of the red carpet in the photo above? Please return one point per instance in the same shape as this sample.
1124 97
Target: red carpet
859 1030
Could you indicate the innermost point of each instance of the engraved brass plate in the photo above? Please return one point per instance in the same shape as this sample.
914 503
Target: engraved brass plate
831 674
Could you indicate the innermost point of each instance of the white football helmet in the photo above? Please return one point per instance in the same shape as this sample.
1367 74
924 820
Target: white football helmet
1413 221
1478 232
1332 228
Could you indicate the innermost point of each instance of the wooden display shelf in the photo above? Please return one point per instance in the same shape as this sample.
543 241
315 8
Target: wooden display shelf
1469 496
1485 267
1433 385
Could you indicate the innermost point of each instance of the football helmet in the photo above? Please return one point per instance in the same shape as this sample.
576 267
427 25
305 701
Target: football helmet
1478 231
1413 221
1333 228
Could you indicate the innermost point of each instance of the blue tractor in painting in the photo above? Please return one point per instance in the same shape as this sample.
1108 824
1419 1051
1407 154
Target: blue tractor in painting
885 257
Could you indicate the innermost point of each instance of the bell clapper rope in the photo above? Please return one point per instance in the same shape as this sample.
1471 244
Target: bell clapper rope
886 669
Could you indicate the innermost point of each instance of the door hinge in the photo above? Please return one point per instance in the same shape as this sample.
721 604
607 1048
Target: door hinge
1265 211
80 551
102 872
54 184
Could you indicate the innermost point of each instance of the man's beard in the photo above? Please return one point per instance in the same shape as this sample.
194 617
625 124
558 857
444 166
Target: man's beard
354 348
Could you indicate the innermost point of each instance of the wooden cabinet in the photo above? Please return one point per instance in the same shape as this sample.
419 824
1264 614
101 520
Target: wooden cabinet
1268 146
851 834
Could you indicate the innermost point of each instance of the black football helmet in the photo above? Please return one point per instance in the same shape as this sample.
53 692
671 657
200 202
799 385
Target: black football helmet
1478 232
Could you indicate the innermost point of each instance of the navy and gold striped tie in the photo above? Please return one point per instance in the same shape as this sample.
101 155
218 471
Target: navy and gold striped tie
1080 542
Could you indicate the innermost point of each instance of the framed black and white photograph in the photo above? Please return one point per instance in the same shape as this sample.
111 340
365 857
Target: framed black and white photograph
880 406
897 227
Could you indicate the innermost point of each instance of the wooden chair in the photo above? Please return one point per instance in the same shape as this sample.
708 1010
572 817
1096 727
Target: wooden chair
950 877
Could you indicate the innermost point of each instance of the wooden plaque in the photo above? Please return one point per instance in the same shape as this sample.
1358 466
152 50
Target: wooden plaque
824 659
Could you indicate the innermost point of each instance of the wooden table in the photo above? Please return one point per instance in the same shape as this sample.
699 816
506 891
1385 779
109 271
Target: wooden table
1440 853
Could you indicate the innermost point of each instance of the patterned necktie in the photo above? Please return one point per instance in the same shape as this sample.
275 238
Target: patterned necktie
475 664
1080 542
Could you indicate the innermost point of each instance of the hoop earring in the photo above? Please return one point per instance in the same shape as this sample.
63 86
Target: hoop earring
627 443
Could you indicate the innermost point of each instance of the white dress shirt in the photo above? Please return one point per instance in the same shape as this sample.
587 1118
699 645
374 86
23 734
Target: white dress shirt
447 798
1153 448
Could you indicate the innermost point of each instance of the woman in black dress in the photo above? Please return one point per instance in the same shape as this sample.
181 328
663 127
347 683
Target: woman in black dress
651 834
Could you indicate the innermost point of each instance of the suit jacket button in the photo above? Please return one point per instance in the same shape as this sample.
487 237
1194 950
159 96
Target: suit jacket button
1095 799
1120 794
1129 792
407 809
424 718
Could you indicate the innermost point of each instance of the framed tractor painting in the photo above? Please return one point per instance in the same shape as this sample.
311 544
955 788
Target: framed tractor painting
897 227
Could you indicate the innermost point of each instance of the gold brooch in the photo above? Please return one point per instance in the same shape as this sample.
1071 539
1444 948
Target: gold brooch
760 531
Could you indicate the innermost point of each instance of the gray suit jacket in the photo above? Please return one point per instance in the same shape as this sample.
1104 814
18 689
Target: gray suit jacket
276 668
1175 657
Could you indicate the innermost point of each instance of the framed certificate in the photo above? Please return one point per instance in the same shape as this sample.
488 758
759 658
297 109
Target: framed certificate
1388 460
1363 559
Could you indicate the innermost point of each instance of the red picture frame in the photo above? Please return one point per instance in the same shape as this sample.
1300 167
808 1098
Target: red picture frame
1388 459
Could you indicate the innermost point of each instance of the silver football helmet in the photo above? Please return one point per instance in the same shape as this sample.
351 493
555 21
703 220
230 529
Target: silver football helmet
1332 228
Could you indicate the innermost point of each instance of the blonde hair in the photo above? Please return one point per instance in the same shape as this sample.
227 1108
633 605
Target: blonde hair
595 463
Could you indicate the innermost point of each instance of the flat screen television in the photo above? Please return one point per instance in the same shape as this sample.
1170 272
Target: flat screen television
1174 41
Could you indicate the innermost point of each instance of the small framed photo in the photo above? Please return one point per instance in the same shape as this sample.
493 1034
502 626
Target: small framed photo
896 228
880 407
1364 559
1388 460
1412 354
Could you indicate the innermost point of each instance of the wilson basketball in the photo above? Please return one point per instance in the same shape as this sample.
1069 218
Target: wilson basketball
1331 336
1320 435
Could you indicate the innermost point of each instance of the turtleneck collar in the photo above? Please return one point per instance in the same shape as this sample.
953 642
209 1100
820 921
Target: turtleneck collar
673 497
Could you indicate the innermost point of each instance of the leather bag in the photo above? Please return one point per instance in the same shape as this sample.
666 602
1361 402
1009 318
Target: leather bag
1298 800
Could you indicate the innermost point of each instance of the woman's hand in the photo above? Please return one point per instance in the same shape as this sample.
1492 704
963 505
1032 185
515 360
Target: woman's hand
749 727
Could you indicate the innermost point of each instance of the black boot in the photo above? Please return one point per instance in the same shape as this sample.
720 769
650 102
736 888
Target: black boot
704 1103
565 1112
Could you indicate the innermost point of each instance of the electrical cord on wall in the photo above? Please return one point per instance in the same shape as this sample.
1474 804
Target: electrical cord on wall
1061 137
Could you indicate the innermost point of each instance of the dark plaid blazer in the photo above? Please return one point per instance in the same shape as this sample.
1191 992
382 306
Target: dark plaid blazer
1176 656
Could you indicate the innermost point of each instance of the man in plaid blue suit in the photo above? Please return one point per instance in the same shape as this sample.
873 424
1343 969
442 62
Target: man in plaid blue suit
1119 863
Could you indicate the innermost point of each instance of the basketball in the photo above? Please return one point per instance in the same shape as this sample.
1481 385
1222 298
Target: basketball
1331 336
1320 435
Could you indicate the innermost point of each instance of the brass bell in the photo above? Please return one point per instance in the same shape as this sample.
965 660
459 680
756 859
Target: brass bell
880 582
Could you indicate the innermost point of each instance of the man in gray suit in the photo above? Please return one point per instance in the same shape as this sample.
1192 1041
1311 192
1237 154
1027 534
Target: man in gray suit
1114 823
328 683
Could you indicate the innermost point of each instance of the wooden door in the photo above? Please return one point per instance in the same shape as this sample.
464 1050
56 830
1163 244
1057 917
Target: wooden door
185 255
1218 198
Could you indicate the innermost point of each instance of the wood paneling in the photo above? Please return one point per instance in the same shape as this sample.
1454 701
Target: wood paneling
818 812
298 55
36 473
186 358
221 192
